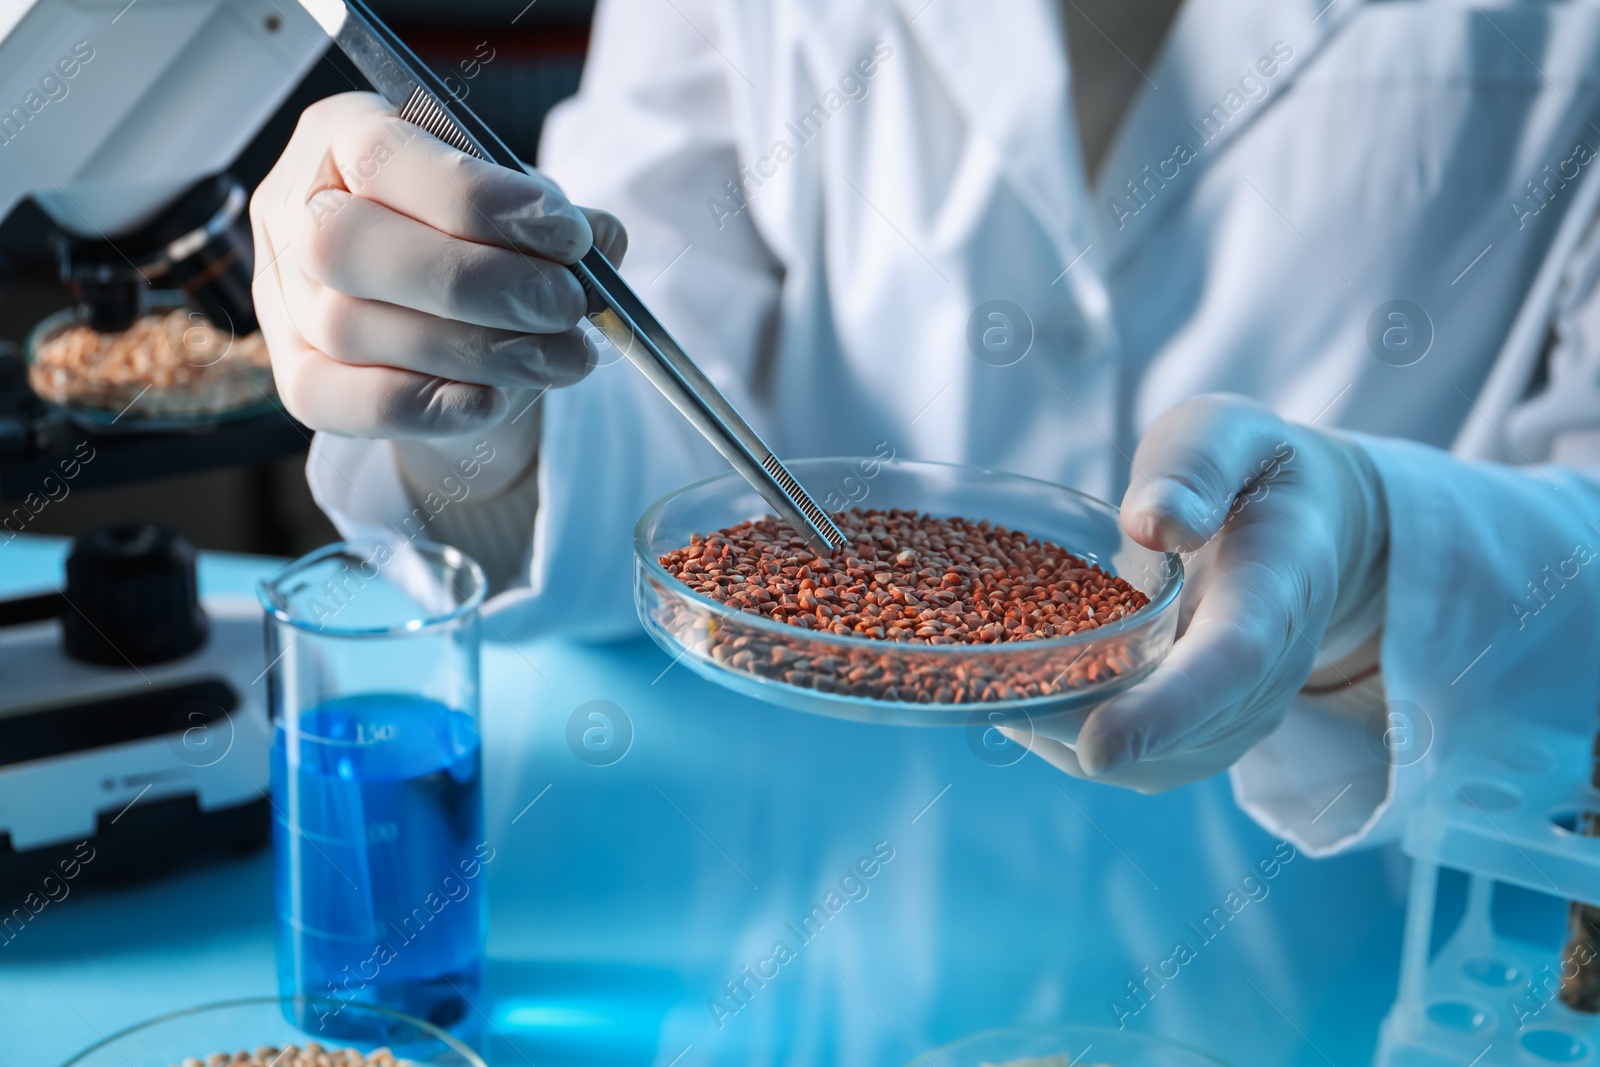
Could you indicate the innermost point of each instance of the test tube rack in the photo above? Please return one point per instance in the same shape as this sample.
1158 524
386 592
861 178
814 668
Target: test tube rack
1506 809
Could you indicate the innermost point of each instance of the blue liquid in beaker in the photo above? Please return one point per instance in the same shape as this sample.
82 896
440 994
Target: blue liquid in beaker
379 848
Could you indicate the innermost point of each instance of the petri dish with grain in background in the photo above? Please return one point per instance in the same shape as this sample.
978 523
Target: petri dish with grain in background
280 1031
171 370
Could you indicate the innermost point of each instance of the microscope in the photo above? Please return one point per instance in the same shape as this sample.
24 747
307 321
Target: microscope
118 118
132 719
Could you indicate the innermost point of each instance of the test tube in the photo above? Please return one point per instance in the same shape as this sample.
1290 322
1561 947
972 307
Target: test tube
372 684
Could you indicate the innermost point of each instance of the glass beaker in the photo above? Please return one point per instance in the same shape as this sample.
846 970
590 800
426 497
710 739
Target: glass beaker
377 792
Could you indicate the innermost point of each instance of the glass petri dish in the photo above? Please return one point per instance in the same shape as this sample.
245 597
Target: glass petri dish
1078 1046
251 1022
841 676
173 370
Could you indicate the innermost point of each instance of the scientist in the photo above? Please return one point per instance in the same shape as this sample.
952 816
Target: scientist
1337 211
1310 285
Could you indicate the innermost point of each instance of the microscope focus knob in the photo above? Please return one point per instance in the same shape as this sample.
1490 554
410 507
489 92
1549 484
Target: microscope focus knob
132 596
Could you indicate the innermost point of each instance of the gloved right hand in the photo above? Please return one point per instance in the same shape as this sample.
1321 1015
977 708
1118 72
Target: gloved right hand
405 289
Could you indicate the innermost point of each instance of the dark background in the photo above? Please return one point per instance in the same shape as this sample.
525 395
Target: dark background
266 508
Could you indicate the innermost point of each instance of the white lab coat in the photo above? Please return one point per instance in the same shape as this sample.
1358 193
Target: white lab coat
1291 166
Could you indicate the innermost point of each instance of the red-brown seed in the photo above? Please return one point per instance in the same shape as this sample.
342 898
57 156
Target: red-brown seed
908 578
943 601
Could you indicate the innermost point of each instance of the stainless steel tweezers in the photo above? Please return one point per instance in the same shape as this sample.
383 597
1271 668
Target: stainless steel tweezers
423 99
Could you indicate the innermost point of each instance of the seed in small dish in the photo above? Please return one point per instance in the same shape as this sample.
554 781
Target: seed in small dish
907 576
172 364
312 1054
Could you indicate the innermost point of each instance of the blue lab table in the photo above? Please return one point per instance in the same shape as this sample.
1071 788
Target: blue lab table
623 898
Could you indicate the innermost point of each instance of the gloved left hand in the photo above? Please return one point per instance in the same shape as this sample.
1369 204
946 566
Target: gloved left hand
1289 532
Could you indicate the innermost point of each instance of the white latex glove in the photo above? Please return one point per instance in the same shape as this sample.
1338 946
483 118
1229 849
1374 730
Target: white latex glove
406 290
1290 534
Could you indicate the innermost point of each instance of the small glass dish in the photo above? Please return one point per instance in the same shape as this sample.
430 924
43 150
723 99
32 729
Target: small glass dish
171 370
1077 1046
231 1025
843 676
